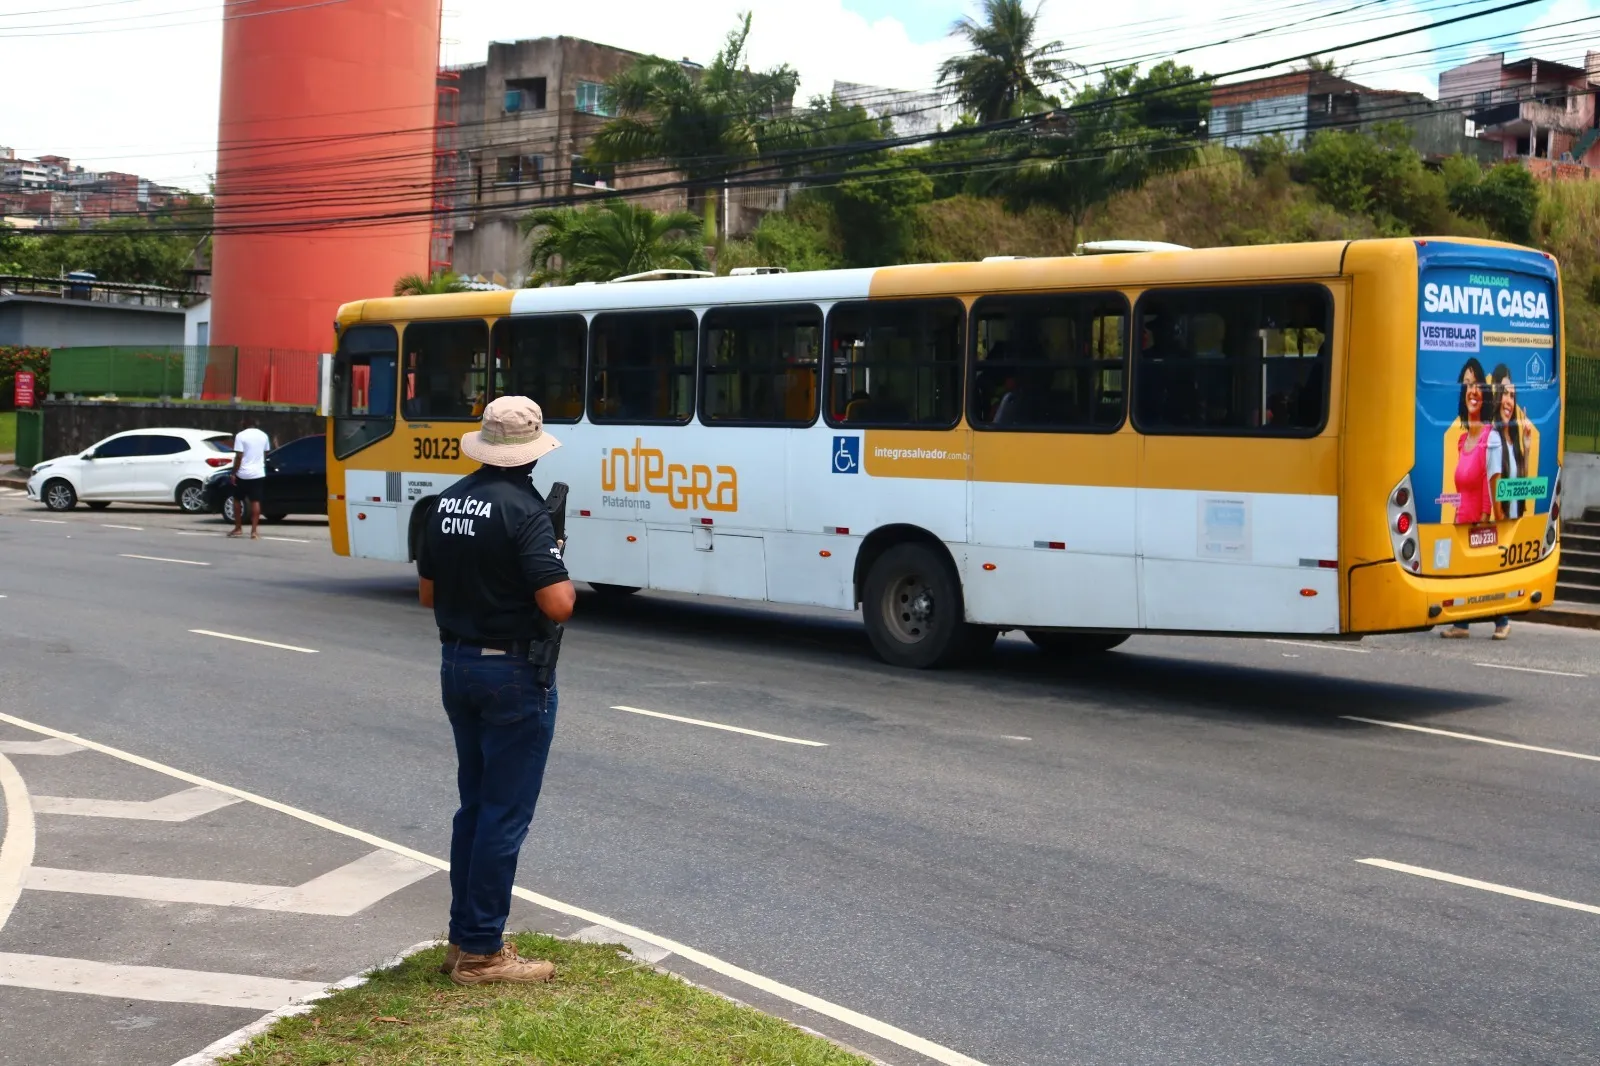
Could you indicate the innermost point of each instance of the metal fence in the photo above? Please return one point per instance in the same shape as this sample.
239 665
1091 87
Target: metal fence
1583 403
219 373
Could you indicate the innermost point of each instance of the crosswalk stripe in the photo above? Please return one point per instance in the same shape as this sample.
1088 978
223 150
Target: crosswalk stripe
350 889
159 984
178 807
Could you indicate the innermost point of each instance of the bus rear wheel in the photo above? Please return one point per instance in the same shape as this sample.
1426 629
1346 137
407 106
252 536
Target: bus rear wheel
1058 643
913 609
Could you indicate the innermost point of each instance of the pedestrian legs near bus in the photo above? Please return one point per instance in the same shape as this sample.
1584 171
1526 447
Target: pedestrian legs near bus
1459 631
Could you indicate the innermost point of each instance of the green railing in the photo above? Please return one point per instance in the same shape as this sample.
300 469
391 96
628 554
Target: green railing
1583 403
176 372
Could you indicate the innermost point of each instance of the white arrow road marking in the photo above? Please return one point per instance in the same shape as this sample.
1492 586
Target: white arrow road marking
178 807
155 983
350 889
53 746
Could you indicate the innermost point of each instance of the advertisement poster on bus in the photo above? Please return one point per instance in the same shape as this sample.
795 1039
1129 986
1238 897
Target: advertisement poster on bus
1488 399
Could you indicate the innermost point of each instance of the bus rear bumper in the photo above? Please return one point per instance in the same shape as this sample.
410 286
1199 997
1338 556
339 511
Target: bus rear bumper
1384 598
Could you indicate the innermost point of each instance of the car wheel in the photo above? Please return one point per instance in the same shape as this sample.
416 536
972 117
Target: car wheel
191 496
274 517
609 590
1057 642
59 495
230 509
97 505
914 612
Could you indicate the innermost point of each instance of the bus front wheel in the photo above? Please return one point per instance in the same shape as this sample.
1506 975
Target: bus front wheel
1058 643
913 609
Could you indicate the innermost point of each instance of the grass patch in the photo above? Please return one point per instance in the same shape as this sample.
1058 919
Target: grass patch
8 432
601 1009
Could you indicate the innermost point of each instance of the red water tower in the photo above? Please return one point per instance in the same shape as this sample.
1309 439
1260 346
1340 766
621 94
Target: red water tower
324 163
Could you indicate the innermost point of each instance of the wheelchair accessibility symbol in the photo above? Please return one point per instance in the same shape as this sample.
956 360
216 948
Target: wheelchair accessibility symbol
847 455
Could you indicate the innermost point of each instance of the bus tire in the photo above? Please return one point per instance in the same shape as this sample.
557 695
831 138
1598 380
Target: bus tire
613 591
1057 642
914 613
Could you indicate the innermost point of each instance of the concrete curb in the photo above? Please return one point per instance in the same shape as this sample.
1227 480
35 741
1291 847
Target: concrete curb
13 483
1561 615
221 1050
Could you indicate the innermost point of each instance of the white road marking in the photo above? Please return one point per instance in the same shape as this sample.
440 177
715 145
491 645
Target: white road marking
1486 886
1321 645
112 525
639 949
719 725
16 848
197 533
787 993
287 540
178 807
1008 736
225 1048
49 521
350 889
253 640
1528 670
163 559
157 984
1469 736
52 746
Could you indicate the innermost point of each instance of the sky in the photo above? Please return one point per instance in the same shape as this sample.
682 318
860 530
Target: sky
131 85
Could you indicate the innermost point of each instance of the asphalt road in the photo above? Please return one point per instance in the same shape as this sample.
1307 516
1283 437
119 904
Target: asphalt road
1152 858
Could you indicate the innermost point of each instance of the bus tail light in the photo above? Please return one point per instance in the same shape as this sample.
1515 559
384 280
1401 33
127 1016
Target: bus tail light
1552 524
1403 525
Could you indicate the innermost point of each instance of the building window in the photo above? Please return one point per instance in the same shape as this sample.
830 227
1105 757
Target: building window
525 94
1234 121
895 363
641 368
759 366
1233 362
446 370
591 98
542 358
593 176
1049 362
519 169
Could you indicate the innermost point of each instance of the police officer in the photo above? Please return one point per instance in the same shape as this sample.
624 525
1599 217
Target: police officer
490 567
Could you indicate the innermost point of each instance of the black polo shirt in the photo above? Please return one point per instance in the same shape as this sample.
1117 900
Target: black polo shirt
488 547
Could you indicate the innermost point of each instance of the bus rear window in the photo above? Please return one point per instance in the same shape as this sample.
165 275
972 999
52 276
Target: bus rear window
1235 362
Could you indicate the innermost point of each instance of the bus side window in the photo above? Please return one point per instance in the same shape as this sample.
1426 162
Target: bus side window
364 387
759 365
642 367
1238 362
894 363
446 370
542 358
1048 363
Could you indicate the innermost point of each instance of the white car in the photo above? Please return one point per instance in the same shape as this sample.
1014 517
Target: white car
140 465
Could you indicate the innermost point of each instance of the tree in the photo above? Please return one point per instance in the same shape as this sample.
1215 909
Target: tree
1380 175
610 240
1506 198
1114 137
1326 65
1004 73
705 123
417 285
122 250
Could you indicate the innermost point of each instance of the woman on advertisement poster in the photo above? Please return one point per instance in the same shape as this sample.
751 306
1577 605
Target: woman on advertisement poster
1478 450
1519 442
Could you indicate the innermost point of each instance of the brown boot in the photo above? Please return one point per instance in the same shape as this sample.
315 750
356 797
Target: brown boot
452 955
503 965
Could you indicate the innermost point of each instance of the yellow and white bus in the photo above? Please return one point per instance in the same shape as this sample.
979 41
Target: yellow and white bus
1318 439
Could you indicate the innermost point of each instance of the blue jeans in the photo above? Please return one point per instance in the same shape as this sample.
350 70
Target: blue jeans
503 722
1499 620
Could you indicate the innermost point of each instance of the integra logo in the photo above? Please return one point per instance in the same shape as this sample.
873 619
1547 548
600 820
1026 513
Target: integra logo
696 487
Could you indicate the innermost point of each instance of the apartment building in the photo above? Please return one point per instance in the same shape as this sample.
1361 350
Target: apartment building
1535 110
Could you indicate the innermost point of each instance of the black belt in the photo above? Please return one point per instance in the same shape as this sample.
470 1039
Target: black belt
510 647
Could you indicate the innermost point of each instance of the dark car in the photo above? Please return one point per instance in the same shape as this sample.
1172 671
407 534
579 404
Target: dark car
297 482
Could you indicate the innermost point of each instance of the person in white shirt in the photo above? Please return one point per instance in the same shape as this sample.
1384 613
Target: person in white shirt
249 477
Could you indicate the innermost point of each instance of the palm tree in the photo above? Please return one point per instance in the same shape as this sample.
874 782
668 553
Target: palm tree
610 240
1004 74
705 123
417 285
